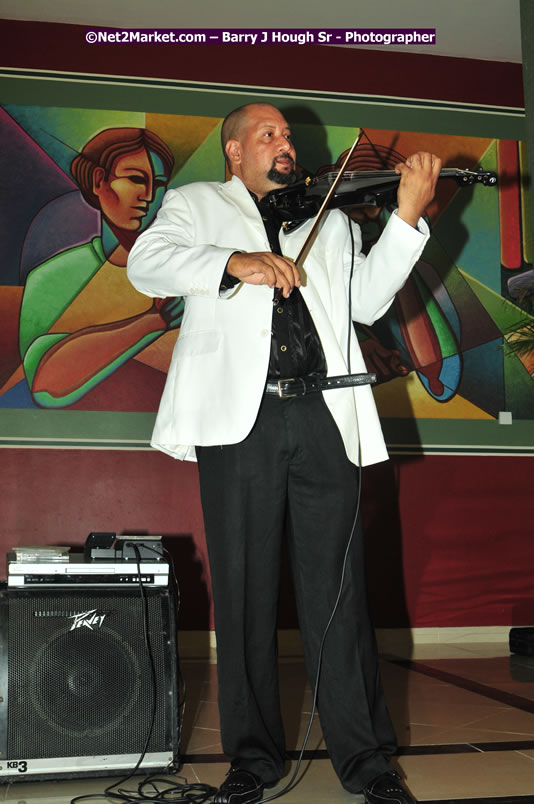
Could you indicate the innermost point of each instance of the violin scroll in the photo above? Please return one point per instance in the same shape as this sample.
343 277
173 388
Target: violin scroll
467 177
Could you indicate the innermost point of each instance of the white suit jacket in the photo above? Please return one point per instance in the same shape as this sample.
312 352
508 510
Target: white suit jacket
219 365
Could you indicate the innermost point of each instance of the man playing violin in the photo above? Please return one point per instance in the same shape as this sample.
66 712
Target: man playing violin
278 444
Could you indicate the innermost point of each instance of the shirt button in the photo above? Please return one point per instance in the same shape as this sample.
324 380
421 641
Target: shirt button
279 309
283 348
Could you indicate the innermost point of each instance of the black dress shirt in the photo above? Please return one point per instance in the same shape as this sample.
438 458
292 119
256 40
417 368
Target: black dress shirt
296 348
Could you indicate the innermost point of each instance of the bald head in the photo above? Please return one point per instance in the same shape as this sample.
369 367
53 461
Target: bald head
235 123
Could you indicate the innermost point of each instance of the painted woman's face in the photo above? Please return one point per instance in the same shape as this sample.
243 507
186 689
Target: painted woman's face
132 193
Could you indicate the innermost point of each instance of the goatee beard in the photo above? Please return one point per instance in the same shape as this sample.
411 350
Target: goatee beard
278 177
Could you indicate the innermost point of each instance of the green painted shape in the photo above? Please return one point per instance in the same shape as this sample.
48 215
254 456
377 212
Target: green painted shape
469 228
206 163
447 342
438 257
46 400
51 287
506 315
319 145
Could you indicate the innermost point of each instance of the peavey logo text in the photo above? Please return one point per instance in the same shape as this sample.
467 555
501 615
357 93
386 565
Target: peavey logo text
87 619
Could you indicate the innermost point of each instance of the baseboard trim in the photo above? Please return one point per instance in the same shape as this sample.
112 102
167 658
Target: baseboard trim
203 644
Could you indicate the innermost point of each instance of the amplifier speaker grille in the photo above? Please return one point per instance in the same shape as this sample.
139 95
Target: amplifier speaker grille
79 679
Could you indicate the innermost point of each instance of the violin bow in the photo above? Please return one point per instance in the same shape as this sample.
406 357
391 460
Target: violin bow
312 234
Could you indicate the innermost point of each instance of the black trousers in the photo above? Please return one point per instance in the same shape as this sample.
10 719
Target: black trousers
292 468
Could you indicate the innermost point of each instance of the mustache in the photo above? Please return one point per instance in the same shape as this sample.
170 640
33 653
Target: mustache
284 156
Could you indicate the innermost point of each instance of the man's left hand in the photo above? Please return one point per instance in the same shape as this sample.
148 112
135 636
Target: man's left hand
419 175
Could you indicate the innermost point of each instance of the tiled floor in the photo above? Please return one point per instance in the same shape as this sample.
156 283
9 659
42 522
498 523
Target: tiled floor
464 717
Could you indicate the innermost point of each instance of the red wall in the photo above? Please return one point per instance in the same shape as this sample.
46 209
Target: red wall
450 539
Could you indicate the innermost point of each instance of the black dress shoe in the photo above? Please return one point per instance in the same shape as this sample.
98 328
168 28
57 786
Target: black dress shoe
240 787
387 789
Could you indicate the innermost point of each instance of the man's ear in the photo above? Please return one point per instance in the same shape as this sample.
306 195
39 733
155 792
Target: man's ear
233 151
99 175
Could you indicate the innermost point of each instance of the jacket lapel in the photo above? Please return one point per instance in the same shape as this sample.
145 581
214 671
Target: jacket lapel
237 194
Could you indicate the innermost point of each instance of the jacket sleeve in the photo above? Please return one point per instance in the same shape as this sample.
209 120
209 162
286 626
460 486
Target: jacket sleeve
167 260
379 276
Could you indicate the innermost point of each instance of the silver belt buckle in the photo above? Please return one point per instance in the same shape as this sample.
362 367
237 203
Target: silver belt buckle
290 379
279 384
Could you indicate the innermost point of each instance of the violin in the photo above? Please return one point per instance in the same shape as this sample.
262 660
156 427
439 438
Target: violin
377 188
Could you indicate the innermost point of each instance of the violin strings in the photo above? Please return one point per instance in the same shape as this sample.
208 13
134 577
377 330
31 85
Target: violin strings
385 174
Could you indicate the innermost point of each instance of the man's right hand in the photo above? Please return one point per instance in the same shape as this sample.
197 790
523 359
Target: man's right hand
265 268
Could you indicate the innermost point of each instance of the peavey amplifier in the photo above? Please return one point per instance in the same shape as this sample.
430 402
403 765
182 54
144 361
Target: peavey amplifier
78 685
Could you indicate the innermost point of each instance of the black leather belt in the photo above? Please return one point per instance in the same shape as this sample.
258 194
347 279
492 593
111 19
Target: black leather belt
300 386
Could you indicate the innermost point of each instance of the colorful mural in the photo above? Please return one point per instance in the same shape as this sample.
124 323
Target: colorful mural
443 348
84 183
78 335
